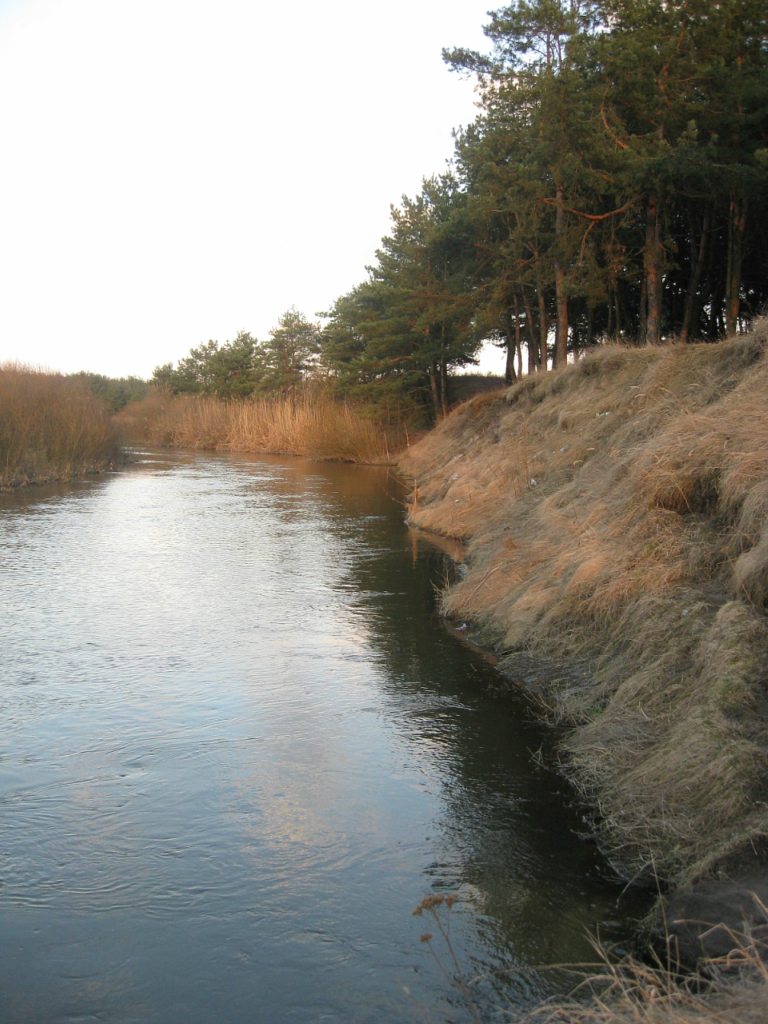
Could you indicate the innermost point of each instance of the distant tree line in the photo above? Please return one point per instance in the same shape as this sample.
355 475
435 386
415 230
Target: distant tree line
614 185
114 392
244 367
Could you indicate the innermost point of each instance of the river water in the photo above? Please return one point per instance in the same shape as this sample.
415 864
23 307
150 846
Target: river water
238 748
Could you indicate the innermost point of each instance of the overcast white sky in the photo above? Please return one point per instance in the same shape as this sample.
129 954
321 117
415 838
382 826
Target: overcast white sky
179 170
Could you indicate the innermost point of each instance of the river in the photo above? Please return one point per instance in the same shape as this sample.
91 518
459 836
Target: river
239 747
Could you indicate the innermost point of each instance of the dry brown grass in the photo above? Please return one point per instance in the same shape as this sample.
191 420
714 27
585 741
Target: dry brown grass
616 515
728 989
311 424
51 427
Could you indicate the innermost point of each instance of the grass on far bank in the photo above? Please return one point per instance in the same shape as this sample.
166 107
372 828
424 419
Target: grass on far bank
311 424
51 427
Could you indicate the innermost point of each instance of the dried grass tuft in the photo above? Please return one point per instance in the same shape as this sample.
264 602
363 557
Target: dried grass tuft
730 989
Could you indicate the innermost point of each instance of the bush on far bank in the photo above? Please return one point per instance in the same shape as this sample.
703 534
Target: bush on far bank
52 427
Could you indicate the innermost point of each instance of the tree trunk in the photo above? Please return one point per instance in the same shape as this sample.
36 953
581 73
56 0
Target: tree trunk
543 331
433 387
561 327
533 337
716 309
590 338
519 346
512 336
561 299
652 267
737 224
698 254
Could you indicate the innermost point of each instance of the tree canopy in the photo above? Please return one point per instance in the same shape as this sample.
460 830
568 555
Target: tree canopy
620 149
243 367
614 185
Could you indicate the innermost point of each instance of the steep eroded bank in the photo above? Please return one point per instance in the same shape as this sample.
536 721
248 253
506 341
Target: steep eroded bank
616 515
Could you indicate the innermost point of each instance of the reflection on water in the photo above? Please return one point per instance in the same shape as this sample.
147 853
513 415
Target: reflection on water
238 749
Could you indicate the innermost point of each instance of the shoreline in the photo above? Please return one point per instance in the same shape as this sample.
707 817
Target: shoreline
20 481
612 515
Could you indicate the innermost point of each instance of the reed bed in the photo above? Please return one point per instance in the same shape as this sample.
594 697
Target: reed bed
51 427
310 424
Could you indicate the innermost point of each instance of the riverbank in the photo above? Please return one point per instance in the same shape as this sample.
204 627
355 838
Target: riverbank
616 521
52 428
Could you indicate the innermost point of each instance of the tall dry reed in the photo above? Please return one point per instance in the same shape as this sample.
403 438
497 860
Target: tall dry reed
51 427
312 424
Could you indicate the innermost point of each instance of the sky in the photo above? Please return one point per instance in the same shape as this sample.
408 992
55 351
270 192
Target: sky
180 170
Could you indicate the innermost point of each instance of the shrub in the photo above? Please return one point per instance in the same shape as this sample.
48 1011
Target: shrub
51 427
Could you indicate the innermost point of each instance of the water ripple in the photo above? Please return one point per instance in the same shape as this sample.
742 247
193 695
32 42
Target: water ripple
237 750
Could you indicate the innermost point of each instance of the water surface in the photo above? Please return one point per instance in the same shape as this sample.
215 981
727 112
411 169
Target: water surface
238 748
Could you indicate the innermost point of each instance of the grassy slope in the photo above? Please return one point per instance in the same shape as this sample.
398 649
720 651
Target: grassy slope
617 523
